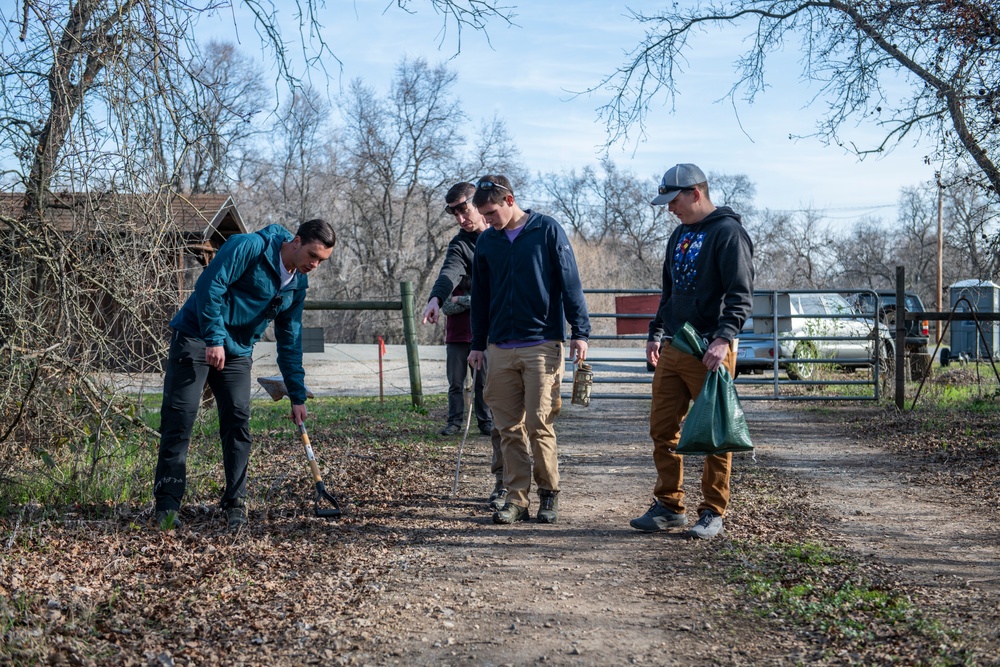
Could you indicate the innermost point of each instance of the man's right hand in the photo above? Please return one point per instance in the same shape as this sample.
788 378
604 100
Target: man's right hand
652 352
432 312
476 359
215 357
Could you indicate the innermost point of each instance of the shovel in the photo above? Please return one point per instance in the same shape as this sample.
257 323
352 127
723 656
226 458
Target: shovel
321 492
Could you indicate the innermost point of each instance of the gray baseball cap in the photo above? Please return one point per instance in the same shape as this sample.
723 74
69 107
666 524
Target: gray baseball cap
677 178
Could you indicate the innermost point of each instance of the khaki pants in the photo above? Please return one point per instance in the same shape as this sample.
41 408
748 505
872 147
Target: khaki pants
677 381
522 390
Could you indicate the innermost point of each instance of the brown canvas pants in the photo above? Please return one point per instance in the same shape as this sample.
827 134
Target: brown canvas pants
522 390
676 382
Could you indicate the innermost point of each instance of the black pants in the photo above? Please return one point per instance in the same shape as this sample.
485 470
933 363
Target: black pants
457 369
457 366
183 384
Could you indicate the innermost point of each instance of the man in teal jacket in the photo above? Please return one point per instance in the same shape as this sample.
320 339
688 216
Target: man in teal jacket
253 279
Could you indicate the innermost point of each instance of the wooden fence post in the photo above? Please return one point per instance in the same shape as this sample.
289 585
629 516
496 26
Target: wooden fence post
410 338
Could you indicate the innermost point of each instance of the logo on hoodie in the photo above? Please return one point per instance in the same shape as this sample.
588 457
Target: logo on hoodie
685 273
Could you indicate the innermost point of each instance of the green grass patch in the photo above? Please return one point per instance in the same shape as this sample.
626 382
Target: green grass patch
782 565
111 461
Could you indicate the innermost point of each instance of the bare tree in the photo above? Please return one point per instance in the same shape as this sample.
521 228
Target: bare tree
212 114
91 94
947 51
401 153
971 231
864 257
792 249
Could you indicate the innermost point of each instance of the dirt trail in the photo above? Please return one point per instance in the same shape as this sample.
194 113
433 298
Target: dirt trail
588 590
591 591
882 512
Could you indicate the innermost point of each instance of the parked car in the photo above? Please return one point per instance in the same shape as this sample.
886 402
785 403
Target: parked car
917 331
836 332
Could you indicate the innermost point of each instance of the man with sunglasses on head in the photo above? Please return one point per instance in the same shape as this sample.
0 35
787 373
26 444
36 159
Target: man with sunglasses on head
252 280
525 287
707 281
450 294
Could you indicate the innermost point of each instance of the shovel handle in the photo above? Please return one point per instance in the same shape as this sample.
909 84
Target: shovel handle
309 453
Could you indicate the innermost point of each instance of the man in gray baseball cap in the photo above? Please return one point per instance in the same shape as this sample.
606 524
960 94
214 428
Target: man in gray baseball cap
708 282
678 178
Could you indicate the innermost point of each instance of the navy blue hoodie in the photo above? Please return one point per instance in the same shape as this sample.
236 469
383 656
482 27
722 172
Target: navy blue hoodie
528 289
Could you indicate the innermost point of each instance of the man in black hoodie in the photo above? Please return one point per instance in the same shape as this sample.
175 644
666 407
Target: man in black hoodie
707 281
450 295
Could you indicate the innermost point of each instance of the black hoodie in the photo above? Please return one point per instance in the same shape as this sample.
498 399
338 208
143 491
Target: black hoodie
707 278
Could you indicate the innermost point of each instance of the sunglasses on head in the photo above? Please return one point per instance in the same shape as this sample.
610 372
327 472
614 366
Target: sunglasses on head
490 185
460 207
667 189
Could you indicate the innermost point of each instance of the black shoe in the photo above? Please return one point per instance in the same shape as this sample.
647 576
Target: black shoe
167 519
548 506
658 517
486 429
236 514
451 429
511 513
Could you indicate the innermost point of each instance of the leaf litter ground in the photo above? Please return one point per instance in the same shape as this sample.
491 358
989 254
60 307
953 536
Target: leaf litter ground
839 500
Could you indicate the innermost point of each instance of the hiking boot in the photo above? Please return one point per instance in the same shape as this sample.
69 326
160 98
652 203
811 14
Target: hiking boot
486 429
511 513
497 503
498 498
658 517
708 526
548 506
450 429
236 514
167 519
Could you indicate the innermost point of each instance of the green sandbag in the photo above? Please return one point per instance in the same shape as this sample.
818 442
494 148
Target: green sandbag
715 424
689 341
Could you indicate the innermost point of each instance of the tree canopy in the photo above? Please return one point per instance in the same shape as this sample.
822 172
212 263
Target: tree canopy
946 51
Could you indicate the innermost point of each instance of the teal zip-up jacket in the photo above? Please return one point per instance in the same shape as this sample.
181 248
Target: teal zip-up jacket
232 303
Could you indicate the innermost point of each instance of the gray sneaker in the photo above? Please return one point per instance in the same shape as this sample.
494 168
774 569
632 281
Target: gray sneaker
708 526
236 514
548 506
167 519
511 513
657 518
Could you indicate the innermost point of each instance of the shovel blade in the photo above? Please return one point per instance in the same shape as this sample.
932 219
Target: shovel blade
323 495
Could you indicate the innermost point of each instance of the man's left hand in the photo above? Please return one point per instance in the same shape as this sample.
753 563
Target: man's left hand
716 353
577 350
299 413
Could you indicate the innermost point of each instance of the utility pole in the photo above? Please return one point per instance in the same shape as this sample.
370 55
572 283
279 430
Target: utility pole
940 258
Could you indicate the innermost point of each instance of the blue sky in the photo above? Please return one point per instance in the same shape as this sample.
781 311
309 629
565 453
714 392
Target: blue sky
527 74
